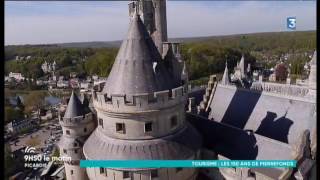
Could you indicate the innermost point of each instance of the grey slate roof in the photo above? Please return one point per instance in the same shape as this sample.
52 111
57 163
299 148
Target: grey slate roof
237 144
134 69
278 117
180 145
74 108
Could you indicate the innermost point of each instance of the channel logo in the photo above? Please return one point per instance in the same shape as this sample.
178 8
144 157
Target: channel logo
29 150
291 23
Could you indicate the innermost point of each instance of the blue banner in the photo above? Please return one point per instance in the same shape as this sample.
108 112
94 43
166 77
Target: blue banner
188 163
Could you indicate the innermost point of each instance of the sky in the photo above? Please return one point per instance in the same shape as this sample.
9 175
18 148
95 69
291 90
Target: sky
43 22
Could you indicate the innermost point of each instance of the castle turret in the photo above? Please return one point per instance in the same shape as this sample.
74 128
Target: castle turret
77 124
141 114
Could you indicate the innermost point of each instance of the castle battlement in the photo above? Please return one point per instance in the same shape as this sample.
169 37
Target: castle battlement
142 101
76 120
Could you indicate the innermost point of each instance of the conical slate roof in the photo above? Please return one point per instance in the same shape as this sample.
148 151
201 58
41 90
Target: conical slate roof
74 108
137 67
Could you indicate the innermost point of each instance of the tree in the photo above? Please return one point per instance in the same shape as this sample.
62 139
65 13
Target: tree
12 114
20 104
281 72
8 161
34 100
33 142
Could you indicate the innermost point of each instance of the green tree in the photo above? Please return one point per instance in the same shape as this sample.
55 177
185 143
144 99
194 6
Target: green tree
34 100
9 161
12 114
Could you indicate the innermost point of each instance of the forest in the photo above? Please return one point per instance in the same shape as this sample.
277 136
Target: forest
204 56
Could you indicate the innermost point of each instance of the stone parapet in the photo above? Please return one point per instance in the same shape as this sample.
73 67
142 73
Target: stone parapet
285 89
76 120
139 102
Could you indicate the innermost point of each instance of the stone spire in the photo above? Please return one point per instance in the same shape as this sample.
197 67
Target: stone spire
313 72
184 73
314 59
242 66
225 77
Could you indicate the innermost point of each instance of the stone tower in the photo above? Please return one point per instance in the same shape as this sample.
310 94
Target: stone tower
141 114
153 14
77 124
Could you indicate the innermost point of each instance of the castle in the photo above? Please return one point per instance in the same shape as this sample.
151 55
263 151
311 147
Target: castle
48 67
140 113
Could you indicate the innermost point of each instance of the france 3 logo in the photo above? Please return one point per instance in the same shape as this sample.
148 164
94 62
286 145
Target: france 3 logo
291 23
